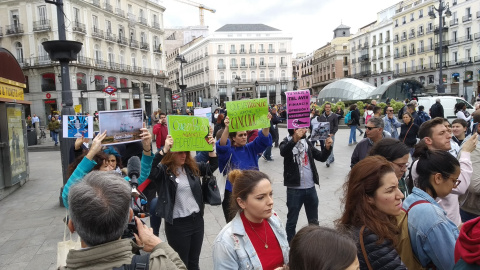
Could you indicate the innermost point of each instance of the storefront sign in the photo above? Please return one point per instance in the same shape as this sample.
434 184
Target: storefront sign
248 114
109 90
298 109
189 104
11 92
48 95
50 101
189 133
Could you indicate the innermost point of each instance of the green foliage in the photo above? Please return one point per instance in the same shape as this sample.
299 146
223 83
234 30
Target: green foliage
360 106
340 103
382 105
396 105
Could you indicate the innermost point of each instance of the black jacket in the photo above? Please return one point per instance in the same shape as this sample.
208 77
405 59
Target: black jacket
436 110
332 119
356 117
167 186
381 257
291 173
411 136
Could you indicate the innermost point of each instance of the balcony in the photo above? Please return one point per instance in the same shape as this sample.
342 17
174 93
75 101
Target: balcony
108 7
271 51
156 25
387 39
43 25
272 64
354 61
243 66
42 61
221 67
252 51
396 55
374 43
359 46
1 32
79 27
144 46
454 22
412 35
48 87
133 43
420 33
262 65
110 37
14 29
142 20
242 51
395 41
233 51
131 17
365 45
157 49
233 66
477 35
122 41
404 38
467 18
380 41
282 50
380 56
445 29
478 14
283 65
96 3
120 12
253 65
220 52
100 63
404 54
412 52
420 50
97 33
261 51
477 58
353 49
374 58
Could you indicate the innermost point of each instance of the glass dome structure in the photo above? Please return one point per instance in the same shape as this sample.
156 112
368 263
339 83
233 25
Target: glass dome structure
398 89
345 90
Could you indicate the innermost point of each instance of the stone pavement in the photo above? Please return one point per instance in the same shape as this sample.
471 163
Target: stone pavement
31 219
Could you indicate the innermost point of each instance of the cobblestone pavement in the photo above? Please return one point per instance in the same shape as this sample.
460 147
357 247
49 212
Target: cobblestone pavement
31 219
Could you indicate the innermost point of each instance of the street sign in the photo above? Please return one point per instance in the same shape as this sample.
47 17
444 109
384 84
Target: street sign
109 90
189 104
77 108
175 97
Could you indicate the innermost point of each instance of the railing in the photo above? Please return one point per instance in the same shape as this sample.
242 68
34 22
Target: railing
243 65
420 33
412 52
404 38
478 14
283 65
387 54
220 52
120 12
387 39
133 43
272 64
233 66
253 65
262 65
429 30
97 33
271 51
374 43
42 60
142 20
122 41
420 50
454 22
82 86
96 3
395 41
380 56
110 37
100 63
374 58
282 50
131 16
108 7
156 25
476 58
261 51
157 49
467 18
252 51
476 35
79 27
412 35
221 67
233 51
380 41
14 29
144 46
43 25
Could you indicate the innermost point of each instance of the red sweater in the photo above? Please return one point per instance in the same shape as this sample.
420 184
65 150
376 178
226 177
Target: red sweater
271 257
161 132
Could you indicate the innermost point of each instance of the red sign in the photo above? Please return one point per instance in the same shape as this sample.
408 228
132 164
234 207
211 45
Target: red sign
48 95
50 101
109 90
175 97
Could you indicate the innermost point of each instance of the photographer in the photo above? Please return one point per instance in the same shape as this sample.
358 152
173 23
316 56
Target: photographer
99 213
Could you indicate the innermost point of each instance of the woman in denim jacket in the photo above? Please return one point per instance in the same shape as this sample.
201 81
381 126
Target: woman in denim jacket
432 234
255 238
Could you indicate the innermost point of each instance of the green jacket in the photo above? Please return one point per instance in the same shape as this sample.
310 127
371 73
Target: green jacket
52 125
120 252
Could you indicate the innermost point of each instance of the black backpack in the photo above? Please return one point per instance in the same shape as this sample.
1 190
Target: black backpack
139 262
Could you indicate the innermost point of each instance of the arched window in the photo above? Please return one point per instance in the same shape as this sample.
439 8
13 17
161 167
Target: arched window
283 74
121 59
98 53
81 81
111 58
42 54
234 74
19 52
262 75
253 75
244 75
222 76
271 75
134 60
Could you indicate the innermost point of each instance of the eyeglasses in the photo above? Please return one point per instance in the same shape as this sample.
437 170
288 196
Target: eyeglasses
456 182
389 110
370 128
402 165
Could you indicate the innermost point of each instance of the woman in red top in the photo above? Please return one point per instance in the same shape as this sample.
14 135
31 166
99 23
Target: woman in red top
255 238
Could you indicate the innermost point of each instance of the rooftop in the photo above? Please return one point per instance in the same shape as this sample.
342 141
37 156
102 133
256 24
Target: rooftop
246 28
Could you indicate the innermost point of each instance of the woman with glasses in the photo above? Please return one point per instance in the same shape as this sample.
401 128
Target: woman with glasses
432 233
408 132
235 153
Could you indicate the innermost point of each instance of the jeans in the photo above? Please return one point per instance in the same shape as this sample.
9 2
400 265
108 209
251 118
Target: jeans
276 135
361 131
353 135
226 206
295 199
466 216
54 136
185 236
155 221
268 153
331 158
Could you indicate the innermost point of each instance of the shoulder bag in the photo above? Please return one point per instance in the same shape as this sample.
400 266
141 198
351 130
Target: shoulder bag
362 245
211 193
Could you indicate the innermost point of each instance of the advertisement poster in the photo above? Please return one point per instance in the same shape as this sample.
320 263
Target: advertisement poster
204 112
122 126
189 133
248 114
77 126
298 108
320 130
16 142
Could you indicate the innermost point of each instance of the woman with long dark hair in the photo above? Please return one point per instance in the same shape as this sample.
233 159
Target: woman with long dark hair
372 200
408 131
180 200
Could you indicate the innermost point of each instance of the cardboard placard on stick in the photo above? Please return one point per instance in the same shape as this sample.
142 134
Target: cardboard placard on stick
189 133
122 126
298 109
248 114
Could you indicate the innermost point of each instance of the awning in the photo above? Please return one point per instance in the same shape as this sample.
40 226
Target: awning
135 81
145 82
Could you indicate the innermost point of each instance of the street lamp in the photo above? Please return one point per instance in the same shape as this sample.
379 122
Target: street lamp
256 89
238 79
441 8
465 64
181 59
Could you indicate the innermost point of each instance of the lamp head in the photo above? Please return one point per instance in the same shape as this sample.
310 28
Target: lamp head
431 13
448 13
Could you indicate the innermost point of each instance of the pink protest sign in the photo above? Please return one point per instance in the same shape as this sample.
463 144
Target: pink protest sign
298 108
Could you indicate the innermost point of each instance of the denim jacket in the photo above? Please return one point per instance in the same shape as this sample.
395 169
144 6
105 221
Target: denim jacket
234 250
391 125
432 234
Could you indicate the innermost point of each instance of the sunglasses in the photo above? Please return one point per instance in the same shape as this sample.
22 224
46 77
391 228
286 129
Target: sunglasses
370 128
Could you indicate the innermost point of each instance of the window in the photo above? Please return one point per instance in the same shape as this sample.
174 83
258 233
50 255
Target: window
111 57
98 53
76 14
271 75
252 47
420 13
19 52
244 75
262 61
95 23
242 62
468 55
15 18
242 48
411 17
121 58
109 27
232 48
283 74
270 47
454 57
42 14
404 19
234 75
42 54
134 60
220 62
262 75
253 75
252 61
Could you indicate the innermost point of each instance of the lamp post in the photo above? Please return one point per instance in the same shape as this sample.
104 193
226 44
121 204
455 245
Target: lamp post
256 89
465 64
442 7
181 59
238 79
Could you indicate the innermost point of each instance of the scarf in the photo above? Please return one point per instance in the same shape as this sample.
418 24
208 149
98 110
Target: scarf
299 153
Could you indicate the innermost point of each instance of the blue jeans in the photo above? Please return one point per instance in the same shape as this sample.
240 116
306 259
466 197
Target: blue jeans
466 216
353 135
54 136
155 221
295 199
268 153
331 158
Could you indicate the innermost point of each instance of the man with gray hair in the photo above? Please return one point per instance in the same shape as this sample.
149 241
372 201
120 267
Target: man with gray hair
374 131
437 109
99 213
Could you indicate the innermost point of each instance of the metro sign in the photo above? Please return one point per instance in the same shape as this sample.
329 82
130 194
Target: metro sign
175 97
109 90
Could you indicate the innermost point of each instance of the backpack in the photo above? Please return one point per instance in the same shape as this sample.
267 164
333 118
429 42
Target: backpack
368 117
404 246
400 112
423 116
139 262
348 118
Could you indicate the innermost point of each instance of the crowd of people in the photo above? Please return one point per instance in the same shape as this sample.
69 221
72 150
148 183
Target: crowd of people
410 201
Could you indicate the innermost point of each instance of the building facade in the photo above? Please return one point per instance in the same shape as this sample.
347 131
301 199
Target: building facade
122 47
305 72
239 61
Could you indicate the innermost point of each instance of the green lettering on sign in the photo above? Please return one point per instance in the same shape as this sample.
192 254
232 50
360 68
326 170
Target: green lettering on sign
248 114
189 133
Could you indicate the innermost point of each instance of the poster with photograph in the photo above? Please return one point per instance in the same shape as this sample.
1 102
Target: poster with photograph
122 126
16 142
203 112
77 126
189 133
298 109
320 130
248 114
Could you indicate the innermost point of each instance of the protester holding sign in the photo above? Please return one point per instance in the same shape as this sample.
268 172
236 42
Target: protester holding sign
235 153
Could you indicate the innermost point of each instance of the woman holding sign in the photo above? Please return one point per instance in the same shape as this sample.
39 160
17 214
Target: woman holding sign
180 202
235 153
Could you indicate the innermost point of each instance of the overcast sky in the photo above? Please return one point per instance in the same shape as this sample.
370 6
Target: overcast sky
310 22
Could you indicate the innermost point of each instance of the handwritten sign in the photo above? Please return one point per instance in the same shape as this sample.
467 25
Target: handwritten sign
298 109
248 114
189 133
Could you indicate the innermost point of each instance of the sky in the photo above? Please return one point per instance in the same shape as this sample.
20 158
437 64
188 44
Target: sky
309 22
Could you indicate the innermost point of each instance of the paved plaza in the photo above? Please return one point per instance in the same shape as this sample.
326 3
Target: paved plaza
31 219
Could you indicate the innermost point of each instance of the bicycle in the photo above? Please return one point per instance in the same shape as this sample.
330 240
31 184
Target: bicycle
43 136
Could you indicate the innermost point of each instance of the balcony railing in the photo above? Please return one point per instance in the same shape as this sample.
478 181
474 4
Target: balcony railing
412 52
133 43
467 18
429 30
272 64
282 50
454 22
220 52
79 27
122 41
144 46
243 65
142 20
120 12
42 61
412 35
108 7
262 65
380 41
395 41
387 39
97 33
235 66
156 25
271 51
110 37
14 29
242 51
283 65
221 67
261 51
420 33
420 50
380 56
43 25
131 16
233 51
157 49
253 65
404 38
100 63
96 3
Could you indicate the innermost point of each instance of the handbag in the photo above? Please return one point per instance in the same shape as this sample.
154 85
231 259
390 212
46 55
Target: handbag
362 245
65 246
57 130
211 193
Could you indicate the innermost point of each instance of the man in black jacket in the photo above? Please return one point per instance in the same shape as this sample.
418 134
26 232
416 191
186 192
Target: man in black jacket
437 110
300 176
329 116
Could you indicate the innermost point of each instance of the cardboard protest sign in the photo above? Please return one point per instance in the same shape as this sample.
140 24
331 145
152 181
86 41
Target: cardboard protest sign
203 112
189 133
122 126
320 130
77 126
248 114
298 108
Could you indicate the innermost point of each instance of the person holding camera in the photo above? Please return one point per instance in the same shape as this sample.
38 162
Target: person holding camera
99 212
